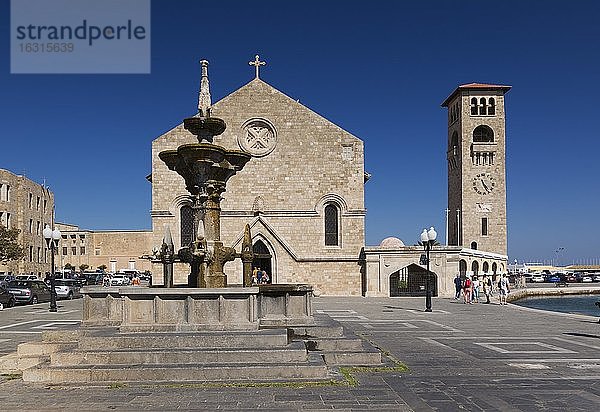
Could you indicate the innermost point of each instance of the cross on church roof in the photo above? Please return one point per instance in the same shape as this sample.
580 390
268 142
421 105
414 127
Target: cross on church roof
257 63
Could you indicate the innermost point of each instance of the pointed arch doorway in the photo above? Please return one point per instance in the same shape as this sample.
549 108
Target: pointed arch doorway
263 258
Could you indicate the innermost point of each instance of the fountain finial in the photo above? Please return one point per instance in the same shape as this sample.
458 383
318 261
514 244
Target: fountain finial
204 101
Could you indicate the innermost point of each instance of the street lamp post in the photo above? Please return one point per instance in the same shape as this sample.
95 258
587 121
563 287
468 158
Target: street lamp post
427 239
52 237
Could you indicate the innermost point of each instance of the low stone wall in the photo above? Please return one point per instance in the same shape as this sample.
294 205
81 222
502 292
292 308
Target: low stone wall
554 291
134 309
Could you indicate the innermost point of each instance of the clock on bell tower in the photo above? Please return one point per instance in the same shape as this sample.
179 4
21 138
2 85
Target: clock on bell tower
477 167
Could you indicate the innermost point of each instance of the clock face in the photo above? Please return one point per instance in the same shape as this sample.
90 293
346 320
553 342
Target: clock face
484 183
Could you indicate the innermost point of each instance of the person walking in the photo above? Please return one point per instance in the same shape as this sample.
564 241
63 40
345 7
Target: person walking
467 289
487 288
475 298
503 288
458 286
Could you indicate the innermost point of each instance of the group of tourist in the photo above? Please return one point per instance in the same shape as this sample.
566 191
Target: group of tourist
260 277
471 287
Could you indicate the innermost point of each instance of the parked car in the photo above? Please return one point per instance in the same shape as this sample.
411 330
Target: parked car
596 277
537 278
4 279
571 277
554 278
587 279
119 279
6 298
27 277
29 291
67 289
93 278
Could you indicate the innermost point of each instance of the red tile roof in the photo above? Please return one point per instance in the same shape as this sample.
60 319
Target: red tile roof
482 86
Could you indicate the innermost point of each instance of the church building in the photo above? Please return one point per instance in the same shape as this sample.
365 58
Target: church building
302 192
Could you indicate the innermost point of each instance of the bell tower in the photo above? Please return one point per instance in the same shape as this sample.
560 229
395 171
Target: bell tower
477 167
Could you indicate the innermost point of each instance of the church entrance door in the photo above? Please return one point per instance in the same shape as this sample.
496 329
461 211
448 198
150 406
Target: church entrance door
262 258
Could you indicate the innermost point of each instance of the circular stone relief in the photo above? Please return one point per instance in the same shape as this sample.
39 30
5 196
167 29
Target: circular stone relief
258 137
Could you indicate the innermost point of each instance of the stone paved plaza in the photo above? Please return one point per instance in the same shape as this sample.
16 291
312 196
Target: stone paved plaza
461 357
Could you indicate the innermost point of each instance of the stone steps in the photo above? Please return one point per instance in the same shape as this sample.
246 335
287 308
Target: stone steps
270 338
295 352
314 368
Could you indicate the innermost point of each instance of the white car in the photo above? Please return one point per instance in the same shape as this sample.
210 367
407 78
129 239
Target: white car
538 278
119 280
586 279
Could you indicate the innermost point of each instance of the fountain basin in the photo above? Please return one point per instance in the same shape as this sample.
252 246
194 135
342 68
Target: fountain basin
137 309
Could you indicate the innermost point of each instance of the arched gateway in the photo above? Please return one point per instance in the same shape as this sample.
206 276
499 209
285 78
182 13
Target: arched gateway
411 281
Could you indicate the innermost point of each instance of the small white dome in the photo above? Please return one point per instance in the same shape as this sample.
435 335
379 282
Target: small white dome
391 243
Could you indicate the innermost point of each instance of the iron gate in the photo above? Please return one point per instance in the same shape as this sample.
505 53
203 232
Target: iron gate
412 281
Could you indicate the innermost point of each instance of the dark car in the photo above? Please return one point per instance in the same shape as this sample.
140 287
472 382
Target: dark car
4 279
557 277
571 277
93 278
6 298
29 291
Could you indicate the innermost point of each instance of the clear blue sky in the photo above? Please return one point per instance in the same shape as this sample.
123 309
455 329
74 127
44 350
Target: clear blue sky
378 69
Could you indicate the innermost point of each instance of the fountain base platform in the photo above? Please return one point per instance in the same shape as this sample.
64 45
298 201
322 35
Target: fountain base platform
135 309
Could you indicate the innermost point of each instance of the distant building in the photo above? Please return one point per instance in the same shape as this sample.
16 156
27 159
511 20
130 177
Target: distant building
115 249
27 206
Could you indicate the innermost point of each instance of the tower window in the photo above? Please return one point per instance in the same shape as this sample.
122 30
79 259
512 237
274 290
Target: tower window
483 134
331 226
484 226
474 106
492 106
454 140
474 245
482 106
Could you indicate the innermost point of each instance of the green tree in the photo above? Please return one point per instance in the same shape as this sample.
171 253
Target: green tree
102 267
9 245
69 266
83 267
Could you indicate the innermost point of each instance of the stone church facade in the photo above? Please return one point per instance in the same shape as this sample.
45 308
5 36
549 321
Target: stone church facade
302 192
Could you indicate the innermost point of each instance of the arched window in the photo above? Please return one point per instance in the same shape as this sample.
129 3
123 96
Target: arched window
186 215
474 245
474 106
331 226
486 267
462 268
494 268
492 106
482 106
475 267
454 140
483 134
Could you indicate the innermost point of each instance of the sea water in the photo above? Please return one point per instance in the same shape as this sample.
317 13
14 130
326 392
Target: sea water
579 304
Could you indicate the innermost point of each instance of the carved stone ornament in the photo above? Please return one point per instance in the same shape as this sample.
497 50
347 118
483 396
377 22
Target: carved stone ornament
258 137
